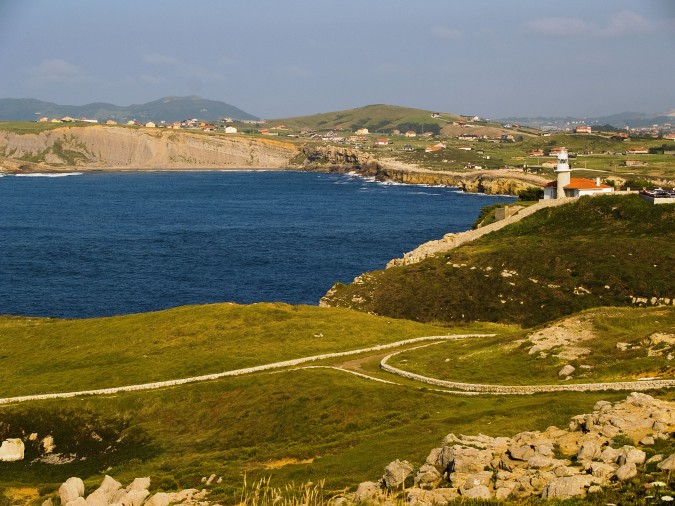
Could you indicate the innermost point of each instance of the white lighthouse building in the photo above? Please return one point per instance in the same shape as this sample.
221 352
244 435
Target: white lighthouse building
566 186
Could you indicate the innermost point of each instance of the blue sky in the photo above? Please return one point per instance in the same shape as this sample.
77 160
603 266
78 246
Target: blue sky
277 58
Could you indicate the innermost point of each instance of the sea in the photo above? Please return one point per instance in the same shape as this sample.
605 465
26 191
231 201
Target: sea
97 244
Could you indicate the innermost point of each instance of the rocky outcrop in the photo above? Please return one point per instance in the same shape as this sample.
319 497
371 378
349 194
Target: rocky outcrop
345 159
556 463
111 492
138 148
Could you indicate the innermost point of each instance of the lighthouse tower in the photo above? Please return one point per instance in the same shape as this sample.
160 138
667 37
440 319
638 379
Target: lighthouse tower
563 170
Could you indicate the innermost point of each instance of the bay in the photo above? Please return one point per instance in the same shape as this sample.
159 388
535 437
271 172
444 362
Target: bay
107 243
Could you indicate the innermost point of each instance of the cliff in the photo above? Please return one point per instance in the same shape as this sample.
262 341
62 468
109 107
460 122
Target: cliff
118 147
344 159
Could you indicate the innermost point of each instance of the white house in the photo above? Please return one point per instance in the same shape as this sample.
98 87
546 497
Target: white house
230 130
566 186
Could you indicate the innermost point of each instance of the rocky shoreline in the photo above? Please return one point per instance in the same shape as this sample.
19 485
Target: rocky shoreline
109 148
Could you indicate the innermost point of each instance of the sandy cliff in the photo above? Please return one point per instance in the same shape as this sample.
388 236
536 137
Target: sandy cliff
119 147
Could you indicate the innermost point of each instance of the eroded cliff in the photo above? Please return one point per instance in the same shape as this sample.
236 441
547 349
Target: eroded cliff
119 147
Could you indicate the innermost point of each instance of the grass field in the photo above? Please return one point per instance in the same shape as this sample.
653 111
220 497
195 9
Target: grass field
498 360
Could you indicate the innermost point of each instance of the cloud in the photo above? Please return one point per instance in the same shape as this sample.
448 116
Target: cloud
226 61
442 32
619 24
56 71
159 59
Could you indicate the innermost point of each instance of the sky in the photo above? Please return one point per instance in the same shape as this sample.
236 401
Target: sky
277 59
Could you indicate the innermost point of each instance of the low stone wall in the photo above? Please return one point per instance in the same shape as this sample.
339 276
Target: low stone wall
236 372
452 241
633 386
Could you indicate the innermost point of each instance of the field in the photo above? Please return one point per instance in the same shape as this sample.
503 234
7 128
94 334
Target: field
292 425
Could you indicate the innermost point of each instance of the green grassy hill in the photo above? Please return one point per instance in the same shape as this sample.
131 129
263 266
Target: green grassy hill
593 252
376 118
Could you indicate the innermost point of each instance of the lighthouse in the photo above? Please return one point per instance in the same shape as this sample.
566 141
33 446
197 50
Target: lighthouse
562 170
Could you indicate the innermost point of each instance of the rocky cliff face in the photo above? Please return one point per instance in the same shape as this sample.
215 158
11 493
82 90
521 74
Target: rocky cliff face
344 159
118 147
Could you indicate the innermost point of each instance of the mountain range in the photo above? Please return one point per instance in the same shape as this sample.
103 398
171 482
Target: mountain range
172 109
168 109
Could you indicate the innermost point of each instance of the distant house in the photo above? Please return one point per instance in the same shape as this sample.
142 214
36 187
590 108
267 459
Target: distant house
408 147
362 131
633 163
68 119
670 136
230 130
507 138
382 142
435 114
395 132
111 122
43 120
637 151
535 152
150 124
556 151
583 129
411 133
620 136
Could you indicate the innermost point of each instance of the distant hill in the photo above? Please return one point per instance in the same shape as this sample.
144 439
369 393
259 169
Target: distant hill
620 120
376 118
165 109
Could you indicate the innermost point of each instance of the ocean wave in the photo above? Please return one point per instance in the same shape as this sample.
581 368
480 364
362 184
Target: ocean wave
49 174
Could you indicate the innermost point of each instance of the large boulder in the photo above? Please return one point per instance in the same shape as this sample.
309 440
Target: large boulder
139 484
11 450
626 472
396 473
71 489
435 497
566 487
367 492
668 464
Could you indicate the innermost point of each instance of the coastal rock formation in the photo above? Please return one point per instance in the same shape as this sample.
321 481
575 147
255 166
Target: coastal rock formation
119 147
555 463
345 159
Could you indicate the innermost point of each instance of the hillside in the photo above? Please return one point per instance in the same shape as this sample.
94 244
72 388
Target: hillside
376 118
615 250
167 109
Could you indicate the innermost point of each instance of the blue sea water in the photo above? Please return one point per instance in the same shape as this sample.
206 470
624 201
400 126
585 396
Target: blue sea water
99 244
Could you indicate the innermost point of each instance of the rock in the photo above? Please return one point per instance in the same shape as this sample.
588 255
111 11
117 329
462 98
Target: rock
427 476
48 502
469 460
186 495
133 498
630 454
566 371
139 484
610 455
540 462
11 450
161 499
594 489
479 492
48 444
396 473
367 492
656 458
523 452
436 497
668 464
80 501
478 479
566 487
589 450
602 470
211 479
626 472
71 489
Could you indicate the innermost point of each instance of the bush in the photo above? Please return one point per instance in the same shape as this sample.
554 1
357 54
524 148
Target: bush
531 193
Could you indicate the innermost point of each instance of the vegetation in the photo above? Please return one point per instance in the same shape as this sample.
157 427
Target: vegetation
594 252
504 359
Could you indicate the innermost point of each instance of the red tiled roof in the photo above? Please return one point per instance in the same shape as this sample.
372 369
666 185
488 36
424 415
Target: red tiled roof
579 183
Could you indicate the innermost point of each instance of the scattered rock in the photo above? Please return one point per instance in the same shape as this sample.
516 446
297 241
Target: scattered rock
11 450
71 490
566 371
